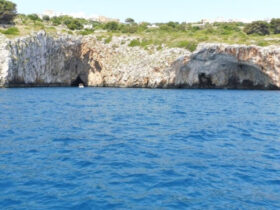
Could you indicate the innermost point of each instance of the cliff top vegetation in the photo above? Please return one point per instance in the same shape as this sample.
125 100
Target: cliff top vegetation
171 34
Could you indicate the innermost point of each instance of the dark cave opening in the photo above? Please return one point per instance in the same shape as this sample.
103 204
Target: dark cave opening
205 81
77 82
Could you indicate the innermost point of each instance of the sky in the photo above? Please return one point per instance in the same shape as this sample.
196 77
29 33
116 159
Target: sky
159 10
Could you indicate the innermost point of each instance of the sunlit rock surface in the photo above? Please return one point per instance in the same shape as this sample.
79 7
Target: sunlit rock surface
42 60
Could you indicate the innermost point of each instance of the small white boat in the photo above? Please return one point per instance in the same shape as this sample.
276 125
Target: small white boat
81 85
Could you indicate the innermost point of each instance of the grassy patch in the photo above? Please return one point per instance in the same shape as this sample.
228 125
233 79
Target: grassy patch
135 43
39 26
86 32
108 39
141 43
159 48
99 38
189 45
262 43
11 31
50 29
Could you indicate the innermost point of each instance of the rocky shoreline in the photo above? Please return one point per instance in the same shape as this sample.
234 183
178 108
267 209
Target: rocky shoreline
43 60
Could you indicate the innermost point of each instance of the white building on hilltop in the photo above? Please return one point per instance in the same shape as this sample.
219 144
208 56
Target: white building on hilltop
97 18
153 26
225 20
104 19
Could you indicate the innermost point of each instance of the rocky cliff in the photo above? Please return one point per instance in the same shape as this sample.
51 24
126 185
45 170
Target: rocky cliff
230 66
42 60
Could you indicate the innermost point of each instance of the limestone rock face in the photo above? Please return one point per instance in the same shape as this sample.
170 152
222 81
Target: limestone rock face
4 61
231 66
42 60
117 65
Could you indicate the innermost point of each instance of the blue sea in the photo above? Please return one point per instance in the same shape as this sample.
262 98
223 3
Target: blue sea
103 148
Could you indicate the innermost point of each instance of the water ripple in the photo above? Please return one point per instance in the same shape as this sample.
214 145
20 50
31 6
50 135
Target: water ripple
102 148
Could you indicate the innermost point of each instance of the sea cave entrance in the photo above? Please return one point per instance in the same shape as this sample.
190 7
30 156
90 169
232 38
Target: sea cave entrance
205 81
77 82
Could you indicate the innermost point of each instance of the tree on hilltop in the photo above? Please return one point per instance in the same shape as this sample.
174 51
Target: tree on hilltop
111 26
275 26
129 20
8 11
257 27
46 18
74 25
34 17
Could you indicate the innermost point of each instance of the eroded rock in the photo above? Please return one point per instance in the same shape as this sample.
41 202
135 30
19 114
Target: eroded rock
236 67
42 60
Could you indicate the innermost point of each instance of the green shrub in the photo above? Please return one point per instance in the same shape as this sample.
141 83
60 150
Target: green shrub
224 32
134 43
257 27
51 29
8 12
195 28
46 18
132 28
165 27
146 42
66 19
181 27
234 26
86 32
189 45
111 26
11 31
99 38
172 24
143 26
262 43
159 48
74 25
108 40
56 21
96 24
209 30
275 26
34 17
39 25
202 38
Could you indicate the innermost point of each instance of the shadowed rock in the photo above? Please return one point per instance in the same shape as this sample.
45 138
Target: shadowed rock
209 69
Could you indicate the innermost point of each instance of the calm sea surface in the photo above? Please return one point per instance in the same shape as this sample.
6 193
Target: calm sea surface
70 148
